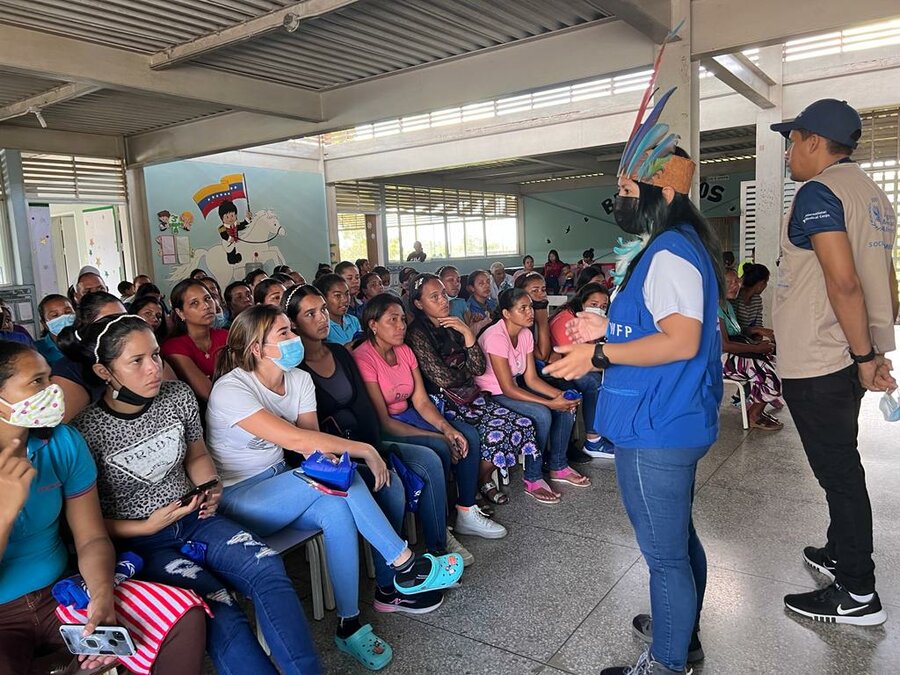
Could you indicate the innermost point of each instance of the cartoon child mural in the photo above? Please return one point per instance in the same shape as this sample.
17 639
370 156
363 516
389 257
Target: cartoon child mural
187 219
163 217
230 228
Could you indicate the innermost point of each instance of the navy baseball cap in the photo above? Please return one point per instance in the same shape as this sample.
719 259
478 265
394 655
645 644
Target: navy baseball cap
827 117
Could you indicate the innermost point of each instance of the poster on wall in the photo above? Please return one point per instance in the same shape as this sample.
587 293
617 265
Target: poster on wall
42 247
101 236
228 220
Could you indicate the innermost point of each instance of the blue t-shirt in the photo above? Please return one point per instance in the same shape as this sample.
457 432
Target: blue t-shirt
458 308
816 209
343 334
48 349
477 309
36 555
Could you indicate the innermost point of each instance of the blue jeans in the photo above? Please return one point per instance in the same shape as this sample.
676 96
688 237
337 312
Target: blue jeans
589 388
552 429
657 487
276 498
465 470
236 559
392 501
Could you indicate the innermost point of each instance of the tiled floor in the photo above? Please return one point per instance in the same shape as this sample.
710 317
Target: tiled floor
557 595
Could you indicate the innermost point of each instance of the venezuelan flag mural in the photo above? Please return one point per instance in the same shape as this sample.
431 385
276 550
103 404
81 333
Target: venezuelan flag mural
229 187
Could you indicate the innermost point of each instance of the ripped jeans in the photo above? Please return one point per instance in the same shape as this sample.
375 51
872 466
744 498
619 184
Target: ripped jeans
234 559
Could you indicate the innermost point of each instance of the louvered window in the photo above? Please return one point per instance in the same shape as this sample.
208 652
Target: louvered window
748 214
358 197
450 223
68 178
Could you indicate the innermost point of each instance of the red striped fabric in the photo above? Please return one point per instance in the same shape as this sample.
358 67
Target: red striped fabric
149 611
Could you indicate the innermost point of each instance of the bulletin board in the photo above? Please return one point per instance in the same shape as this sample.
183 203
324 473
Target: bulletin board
21 301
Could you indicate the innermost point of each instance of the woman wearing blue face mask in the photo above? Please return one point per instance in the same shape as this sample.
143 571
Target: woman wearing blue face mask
261 406
56 313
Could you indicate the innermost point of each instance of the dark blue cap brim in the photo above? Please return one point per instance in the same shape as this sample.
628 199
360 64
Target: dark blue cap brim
784 128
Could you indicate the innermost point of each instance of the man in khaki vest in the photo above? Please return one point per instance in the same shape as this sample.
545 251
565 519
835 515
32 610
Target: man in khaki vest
835 306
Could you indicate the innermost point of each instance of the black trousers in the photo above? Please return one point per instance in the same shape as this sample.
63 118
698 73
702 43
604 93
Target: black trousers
826 411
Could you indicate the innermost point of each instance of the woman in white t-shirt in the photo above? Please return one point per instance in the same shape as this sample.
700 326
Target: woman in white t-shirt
509 346
262 405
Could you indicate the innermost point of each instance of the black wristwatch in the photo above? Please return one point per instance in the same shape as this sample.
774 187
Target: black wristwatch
865 358
599 360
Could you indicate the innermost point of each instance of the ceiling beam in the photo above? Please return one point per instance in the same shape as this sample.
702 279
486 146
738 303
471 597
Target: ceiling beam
725 26
450 181
650 17
287 18
742 75
60 94
578 161
61 142
32 52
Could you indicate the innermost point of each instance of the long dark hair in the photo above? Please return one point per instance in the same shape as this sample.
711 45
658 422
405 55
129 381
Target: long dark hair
179 327
554 252
290 301
753 274
524 279
657 217
506 300
576 304
328 280
588 273
415 292
162 331
375 309
104 340
85 314
263 288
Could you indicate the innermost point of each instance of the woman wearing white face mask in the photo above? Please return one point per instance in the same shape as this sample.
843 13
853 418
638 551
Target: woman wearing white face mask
262 405
56 312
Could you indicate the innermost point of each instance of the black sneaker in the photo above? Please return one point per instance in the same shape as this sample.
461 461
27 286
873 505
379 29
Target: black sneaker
576 455
819 561
642 627
834 604
394 601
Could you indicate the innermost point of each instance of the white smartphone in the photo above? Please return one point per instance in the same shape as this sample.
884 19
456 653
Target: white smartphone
105 640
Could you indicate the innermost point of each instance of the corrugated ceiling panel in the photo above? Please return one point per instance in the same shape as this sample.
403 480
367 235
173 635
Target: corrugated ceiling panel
16 87
119 113
367 38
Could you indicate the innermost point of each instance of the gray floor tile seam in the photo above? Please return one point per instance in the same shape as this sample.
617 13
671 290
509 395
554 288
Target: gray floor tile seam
718 467
790 582
547 664
759 493
588 615
588 537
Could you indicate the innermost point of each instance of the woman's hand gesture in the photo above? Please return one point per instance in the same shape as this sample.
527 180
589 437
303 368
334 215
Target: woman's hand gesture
587 327
457 324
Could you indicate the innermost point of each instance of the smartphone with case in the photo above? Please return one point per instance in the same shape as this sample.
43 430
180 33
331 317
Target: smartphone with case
104 641
186 499
319 486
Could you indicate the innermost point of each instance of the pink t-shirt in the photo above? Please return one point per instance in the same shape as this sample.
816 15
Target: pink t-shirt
495 340
396 382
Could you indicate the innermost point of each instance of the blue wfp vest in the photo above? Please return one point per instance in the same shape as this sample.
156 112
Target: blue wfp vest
675 405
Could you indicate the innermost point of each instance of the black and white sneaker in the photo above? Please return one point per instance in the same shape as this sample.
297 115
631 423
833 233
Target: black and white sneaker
834 604
392 600
645 666
818 559
642 627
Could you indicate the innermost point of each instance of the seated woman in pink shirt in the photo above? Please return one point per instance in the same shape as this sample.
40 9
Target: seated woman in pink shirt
509 346
191 350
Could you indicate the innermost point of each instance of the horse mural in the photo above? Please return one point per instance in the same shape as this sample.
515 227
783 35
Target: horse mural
256 246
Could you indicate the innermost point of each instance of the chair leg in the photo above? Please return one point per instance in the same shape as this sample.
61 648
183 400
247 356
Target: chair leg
370 563
412 536
744 417
327 586
315 578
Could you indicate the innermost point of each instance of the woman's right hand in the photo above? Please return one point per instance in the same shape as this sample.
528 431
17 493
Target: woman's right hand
379 469
171 514
764 348
457 324
562 404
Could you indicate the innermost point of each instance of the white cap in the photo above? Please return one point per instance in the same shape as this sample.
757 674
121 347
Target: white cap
88 269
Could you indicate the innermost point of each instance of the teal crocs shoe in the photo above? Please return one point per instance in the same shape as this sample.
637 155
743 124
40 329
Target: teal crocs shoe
367 648
446 571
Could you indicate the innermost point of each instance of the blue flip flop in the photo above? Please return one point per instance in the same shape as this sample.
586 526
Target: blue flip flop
367 648
446 571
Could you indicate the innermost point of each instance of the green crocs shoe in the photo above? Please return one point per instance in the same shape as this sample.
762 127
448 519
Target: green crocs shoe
446 571
367 648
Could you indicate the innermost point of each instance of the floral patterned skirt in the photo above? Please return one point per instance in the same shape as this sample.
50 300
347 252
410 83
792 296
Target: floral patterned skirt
759 374
504 433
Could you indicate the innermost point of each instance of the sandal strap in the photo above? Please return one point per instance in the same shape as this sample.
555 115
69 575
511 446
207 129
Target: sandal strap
487 487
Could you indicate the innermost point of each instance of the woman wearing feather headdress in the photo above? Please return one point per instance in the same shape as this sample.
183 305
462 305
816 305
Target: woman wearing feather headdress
662 381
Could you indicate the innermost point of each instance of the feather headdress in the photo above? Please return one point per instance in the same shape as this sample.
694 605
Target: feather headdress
648 154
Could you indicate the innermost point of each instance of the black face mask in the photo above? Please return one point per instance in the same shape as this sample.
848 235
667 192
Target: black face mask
540 304
125 395
625 212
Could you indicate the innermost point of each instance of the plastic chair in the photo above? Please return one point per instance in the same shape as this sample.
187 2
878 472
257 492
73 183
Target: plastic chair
743 397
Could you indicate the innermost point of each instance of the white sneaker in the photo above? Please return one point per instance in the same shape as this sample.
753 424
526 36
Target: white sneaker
472 521
453 546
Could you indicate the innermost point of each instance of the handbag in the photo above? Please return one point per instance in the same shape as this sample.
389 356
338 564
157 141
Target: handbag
336 475
461 396
412 483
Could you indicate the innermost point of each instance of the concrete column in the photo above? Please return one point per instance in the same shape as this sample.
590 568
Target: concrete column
770 169
140 254
677 70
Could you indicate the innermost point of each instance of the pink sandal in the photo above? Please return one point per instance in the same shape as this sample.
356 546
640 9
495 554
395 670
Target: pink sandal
541 492
569 476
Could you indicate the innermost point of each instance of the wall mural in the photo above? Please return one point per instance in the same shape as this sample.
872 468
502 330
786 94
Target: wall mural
205 219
